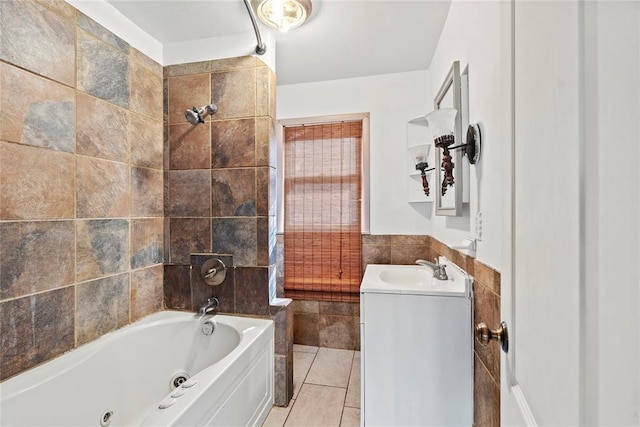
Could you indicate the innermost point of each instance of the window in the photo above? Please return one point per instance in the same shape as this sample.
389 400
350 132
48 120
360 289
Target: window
322 211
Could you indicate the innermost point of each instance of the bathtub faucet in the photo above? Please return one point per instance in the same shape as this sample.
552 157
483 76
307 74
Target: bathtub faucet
438 269
211 307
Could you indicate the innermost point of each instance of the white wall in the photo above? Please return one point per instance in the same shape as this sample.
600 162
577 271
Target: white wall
471 35
391 100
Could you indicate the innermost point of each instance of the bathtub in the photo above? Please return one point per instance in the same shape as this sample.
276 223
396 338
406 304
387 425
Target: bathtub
128 377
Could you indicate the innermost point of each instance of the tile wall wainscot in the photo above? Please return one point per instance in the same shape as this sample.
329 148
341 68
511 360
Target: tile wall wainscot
81 216
336 325
219 197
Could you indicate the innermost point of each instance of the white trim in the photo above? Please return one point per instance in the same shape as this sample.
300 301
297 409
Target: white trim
525 411
280 124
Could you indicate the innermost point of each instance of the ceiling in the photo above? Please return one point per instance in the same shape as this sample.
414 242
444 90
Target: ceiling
342 39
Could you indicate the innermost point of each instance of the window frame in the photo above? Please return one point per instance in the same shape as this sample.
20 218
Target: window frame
317 120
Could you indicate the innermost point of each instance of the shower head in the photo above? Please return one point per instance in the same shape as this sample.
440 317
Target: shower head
196 115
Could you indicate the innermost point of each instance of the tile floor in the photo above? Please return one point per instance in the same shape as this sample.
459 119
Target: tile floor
326 389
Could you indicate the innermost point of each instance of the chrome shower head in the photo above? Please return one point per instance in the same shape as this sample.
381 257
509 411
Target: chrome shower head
196 115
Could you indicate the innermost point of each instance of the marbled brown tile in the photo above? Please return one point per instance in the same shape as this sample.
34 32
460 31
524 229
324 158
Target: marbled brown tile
146 242
186 92
61 7
376 240
101 129
236 236
265 191
336 331
97 30
408 254
177 287
102 71
146 92
486 308
233 143
36 111
228 64
146 62
102 247
266 142
190 193
375 255
187 69
233 192
102 189
146 192
487 276
336 308
36 256
146 142
102 306
400 240
189 146
37 39
263 248
146 291
35 183
306 306
486 397
234 92
266 93
252 290
188 235
305 329
35 329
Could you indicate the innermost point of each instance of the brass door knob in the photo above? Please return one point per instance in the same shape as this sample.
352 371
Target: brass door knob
484 335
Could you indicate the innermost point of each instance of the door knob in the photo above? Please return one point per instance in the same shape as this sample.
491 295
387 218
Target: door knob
484 335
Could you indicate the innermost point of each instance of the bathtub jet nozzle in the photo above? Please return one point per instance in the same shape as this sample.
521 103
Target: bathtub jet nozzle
196 115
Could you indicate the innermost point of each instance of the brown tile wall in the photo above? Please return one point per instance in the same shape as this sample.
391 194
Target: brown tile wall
81 227
336 325
220 181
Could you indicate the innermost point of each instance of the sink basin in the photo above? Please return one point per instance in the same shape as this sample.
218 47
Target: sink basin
412 280
412 276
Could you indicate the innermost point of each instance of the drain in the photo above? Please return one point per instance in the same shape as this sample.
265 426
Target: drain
105 419
178 379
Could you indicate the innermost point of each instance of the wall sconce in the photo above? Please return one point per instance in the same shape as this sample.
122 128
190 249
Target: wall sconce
419 155
442 124
282 15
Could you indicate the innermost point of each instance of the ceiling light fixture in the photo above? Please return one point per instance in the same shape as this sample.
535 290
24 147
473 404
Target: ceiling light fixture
283 15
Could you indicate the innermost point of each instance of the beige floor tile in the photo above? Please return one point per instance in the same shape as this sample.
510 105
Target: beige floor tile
331 367
353 391
305 348
301 364
350 417
278 416
317 406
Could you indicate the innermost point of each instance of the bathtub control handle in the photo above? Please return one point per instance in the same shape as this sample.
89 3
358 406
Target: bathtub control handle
213 271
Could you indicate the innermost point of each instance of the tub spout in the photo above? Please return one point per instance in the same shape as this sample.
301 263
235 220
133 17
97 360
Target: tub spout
211 307
439 271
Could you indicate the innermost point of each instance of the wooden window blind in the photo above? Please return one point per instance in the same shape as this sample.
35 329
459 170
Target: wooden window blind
322 214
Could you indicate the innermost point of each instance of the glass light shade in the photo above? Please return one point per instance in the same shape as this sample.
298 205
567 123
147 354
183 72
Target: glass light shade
283 14
419 154
442 122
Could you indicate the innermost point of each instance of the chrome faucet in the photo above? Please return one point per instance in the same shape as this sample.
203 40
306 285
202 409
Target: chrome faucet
439 271
211 307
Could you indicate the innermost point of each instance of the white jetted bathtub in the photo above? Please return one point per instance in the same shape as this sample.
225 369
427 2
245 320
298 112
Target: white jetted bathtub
168 369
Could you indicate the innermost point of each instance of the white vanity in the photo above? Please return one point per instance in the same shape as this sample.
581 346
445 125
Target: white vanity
417 346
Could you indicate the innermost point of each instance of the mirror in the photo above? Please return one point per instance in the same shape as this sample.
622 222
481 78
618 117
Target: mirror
449 96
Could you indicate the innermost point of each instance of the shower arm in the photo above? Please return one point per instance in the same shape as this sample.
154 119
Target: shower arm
261 48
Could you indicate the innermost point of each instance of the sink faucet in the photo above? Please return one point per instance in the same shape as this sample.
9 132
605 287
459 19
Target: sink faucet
438 269
211 307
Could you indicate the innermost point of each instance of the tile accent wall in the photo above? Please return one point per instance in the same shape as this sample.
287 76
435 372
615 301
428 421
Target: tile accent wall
220 180
81 228
336 325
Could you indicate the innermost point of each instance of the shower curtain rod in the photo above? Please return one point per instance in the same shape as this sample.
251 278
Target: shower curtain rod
261 48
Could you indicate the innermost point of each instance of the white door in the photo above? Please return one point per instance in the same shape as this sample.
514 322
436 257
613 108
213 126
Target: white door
571 275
